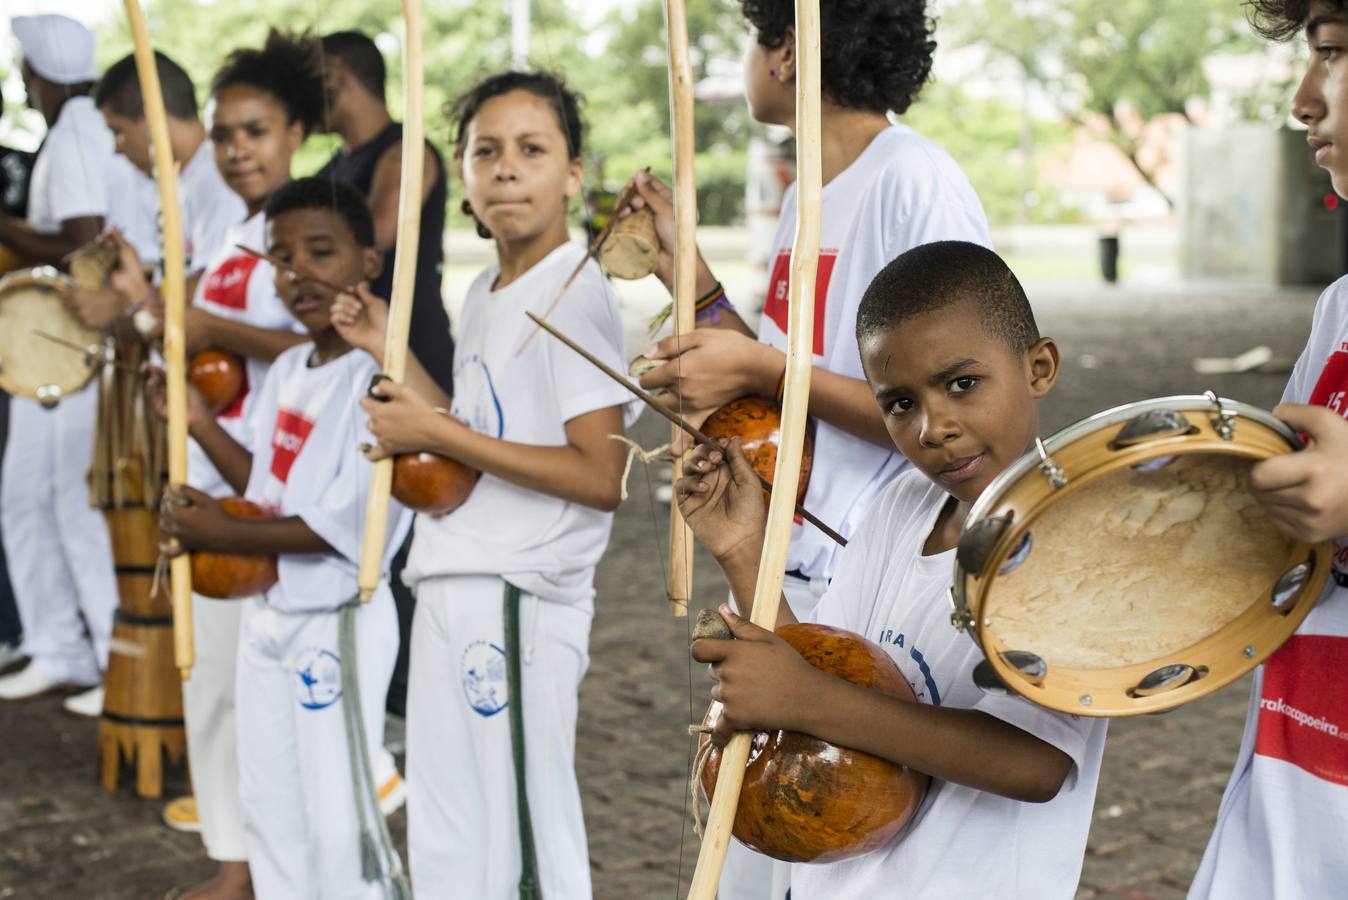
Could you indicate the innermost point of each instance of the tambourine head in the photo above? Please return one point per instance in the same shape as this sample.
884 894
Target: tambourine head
1126 567
757 422
806 800
228 576
429 483
218 376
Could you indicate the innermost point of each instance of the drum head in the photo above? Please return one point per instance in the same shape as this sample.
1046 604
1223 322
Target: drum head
1137 565
32 366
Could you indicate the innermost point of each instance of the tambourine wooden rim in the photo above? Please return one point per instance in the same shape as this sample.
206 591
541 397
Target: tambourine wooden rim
49 394
1079 455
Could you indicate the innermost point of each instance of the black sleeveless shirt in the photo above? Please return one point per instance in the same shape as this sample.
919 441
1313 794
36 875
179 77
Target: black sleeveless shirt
429 337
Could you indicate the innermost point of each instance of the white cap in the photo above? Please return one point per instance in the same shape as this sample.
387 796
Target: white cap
58 48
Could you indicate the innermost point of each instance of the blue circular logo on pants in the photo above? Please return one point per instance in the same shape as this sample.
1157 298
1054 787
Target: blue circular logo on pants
483 671
318 675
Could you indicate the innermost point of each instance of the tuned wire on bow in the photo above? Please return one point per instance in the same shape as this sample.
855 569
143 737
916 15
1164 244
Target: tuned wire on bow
800 334
173 289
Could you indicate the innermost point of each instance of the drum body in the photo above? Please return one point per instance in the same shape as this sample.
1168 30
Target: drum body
1125 567
806 800
143 704
31 365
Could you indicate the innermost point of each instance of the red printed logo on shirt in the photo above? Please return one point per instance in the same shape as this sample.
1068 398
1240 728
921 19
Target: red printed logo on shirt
778 301
1303 711
227 284
292 430
1332 388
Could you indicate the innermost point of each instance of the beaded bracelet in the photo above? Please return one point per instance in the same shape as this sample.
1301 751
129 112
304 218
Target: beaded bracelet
710 305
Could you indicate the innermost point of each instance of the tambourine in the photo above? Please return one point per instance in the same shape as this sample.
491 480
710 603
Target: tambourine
37 336
1125 567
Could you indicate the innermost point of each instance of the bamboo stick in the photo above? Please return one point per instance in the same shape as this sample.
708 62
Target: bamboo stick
173 289
404 283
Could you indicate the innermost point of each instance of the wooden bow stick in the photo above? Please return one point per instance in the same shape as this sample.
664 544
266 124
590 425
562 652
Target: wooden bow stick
173 289
677 421
404 283
679 584
800 336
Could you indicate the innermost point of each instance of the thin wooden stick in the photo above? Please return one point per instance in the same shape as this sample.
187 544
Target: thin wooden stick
174 293
679 423
404 285
679 572
94 353
800 335
297 271
595 246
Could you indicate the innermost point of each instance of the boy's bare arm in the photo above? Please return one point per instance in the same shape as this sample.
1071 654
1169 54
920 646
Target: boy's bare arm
766 684
199 522
362 320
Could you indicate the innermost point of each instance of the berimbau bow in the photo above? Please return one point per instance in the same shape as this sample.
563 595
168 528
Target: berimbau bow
800 335
173 289
404 283
679 584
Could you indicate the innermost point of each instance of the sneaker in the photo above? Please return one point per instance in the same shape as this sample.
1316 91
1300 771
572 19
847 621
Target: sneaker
392 795
86 703
29 682
10 655
181 815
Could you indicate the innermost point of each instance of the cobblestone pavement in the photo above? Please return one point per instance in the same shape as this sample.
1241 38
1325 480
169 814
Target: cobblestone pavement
63 837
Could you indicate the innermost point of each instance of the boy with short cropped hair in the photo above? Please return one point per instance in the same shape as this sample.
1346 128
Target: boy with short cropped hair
306 825
954 359
1281 827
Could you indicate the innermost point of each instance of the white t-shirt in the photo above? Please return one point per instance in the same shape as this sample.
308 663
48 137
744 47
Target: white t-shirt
210 209
239 287
541 544
133 208
1282 828
901 192
963 843
73 168
304 431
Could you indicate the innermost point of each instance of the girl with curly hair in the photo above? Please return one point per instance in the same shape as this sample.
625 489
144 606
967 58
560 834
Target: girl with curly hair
887 189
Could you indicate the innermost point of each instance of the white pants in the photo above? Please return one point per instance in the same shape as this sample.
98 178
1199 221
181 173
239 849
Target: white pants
212 736
57 546
748 874
299 807
463 829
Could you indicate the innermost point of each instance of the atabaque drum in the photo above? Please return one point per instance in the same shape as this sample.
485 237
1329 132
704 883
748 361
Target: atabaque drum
32 364
1124 565
228 576
806 800
757 422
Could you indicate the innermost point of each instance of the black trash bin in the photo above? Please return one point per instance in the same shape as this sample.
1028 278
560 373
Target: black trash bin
1109 257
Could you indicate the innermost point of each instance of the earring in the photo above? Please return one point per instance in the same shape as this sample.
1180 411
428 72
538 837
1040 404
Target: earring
772 73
